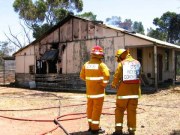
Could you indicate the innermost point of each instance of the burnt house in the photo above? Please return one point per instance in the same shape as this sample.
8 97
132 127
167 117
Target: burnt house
54 61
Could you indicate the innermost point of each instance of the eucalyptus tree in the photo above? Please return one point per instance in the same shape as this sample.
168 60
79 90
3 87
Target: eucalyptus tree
40 15
167 28
138 27
88 15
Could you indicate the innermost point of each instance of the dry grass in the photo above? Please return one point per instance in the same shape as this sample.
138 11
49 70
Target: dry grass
157 114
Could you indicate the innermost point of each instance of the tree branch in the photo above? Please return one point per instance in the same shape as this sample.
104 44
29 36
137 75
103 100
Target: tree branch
27 35
16 42
12 41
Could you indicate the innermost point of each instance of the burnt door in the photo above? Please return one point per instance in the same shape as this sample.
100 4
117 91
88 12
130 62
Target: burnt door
41 67
159 66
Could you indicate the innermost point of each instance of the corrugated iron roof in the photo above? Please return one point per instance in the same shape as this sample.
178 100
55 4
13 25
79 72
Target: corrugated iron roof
9 58
145 37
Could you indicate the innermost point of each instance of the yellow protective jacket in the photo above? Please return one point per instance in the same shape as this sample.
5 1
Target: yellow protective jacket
125 90
96 74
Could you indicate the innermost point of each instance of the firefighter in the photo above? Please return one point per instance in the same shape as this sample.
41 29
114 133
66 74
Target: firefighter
96 75
127 82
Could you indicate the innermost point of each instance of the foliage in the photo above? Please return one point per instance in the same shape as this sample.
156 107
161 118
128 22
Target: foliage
127 24
156 34
5 50
40 29
138 27
88 15
174 29
40 14
168 26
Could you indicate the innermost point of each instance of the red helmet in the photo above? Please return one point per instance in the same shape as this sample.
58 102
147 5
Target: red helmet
97 50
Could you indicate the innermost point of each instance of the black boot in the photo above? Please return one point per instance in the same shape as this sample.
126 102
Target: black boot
131 132
117 133
99 131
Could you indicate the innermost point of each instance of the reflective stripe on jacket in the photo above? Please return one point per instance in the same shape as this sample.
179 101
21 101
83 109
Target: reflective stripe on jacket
94 78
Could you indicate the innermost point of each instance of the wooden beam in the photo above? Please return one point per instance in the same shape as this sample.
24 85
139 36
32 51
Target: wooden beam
173 66
155 67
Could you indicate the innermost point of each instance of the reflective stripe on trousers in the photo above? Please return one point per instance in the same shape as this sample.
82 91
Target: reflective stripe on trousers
96 96
89 120
128 97
131 129
119 124
93 122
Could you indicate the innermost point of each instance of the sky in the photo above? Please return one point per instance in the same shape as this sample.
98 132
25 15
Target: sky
137 10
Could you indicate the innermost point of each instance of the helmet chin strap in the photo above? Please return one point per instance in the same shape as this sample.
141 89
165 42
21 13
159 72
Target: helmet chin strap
119 59
97 56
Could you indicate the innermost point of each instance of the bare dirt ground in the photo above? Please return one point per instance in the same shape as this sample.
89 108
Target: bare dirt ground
32 112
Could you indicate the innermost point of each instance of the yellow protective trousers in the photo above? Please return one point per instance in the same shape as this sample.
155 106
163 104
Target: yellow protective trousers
126 104
94 110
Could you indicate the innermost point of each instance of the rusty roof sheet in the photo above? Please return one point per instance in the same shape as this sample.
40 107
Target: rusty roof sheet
50 55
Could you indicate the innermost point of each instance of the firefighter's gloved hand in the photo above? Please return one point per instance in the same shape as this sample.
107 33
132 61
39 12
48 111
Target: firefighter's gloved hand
113 86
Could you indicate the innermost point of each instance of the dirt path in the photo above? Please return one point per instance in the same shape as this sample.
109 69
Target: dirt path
31 112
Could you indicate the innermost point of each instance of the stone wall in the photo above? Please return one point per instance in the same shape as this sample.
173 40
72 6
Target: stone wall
60 82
